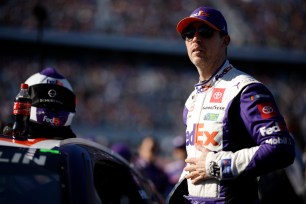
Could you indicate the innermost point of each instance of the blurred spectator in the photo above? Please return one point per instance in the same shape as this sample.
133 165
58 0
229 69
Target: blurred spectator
174 168
146 162
295 129
123 150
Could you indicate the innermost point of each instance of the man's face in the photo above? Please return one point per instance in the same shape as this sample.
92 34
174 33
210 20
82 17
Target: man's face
205 46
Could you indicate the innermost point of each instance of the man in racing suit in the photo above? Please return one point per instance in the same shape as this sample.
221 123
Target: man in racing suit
235 132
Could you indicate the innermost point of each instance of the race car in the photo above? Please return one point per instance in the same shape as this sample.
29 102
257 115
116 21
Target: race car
70 171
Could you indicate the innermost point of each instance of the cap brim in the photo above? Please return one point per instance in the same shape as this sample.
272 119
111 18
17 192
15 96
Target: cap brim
186 21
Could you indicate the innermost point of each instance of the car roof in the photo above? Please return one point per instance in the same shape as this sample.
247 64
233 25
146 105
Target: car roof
30 143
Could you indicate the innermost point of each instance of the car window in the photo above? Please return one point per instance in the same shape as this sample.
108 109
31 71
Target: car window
29 176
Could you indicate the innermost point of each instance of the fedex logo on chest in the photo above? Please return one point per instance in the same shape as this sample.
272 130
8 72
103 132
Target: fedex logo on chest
201 136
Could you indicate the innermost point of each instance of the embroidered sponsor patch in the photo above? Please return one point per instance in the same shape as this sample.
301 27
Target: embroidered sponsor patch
226 168
211 116
260 96
217 95
278 127
267 110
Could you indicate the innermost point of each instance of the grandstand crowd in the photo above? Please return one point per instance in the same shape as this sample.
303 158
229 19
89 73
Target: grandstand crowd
130 94
137 96
268 23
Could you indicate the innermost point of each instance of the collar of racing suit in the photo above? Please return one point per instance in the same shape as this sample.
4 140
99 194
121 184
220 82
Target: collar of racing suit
202 86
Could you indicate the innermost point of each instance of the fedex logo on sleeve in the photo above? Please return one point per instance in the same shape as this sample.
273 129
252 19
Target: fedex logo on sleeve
264 131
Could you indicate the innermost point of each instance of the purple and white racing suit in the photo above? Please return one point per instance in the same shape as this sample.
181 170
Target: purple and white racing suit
235 117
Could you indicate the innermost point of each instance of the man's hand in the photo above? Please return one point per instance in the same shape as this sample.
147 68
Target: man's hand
196 166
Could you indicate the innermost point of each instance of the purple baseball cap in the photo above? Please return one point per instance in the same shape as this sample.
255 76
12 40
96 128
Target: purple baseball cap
210 16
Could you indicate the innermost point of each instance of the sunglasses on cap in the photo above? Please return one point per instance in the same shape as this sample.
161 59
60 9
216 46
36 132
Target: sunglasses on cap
204 31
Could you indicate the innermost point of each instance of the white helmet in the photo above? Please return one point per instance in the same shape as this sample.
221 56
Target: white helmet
53 100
